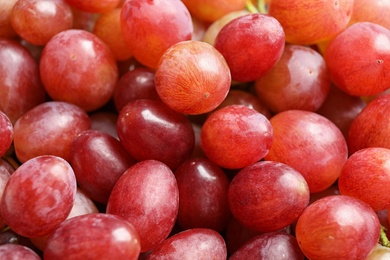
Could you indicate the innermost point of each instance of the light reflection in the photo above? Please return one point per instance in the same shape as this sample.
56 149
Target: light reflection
121 234
205 174
382 43
149 116
47 8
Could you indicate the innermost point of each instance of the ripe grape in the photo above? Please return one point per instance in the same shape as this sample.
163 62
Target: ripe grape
236 136
148 129
358 59
311 144
20 86
151 27
366 176
15 251
94 236
147 196
299 80
251 44
5 172
192 77
98 160
326 228
196 243
6 133
49 128
38 196
375 12
272 245
77 67
311 21
266 191
94 6
6 29
203 189
37 21
370 128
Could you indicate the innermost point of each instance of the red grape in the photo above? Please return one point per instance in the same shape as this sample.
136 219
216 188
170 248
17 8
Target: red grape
267 191
148 129
311 144
236 136
366 176
192 77
147 196
298 81
77 67
6 29
17 252
49 128
196 243
38 196
135 84
251 44
6 133
272 245
98 160
326 228
37 21
203 189
5 172
20 86
358 59
311 21
370 128
375 12
151 27
94 236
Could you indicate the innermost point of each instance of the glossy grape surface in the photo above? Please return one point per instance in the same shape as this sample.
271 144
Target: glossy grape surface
148 129
94 236
266 191
192 77
38 196
77 67
327 227
236 136
6 133
147 196
151 27
49 128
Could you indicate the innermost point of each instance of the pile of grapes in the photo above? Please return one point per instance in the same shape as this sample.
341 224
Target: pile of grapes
194 129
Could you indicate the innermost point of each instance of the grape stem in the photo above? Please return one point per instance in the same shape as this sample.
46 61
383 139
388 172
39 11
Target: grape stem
383 240
261 7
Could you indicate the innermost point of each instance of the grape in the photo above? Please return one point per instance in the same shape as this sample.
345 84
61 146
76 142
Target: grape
5 172
374 12
49 128
15 252
148 130
196 243
147 196
298 81
366 176
311 144
94 6
272 245
266 191
37 21
311 21
98 161
192 77
20 86
370 128
251 44
6 133
6 29
93 236
358 58
135 84
151 27
108 28
38 196
236 136
203 189
326 228
77 67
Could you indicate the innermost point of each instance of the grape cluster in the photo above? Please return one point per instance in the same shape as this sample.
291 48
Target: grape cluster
194 129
